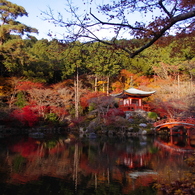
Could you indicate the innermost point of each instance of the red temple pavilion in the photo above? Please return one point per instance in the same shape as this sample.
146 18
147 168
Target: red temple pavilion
131 100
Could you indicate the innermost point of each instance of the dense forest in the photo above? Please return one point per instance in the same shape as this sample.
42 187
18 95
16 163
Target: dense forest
55 81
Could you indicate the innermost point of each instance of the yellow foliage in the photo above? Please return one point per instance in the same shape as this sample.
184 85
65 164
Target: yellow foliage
7 85
117 86
1 91
101 82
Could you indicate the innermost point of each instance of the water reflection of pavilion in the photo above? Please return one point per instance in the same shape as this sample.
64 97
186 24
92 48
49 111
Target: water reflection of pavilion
133 161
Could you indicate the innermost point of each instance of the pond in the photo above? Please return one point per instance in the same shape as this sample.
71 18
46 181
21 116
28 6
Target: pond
60 164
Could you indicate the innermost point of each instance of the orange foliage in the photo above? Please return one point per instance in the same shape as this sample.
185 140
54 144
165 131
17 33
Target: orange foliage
126 79
84 100
26 85
142 80
126 73
123 81
117 86
61 85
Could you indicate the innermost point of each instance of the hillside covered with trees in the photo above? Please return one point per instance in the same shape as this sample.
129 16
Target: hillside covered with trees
68 83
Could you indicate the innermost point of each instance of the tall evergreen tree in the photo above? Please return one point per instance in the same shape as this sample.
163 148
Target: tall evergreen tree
11 32
9 12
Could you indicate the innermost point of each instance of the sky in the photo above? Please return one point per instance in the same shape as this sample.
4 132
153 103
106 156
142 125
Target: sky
34 9
35 19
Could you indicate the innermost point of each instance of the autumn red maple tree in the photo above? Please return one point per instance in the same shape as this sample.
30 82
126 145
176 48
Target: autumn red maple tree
27 115
40 100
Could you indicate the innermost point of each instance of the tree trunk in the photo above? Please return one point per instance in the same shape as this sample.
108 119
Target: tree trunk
95 83
178 86
108 84
75 168
77 95
103 87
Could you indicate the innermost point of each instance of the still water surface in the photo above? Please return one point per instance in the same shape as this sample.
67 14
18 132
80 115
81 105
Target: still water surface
102 166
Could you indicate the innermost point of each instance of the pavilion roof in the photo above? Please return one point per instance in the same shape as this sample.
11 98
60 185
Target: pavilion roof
133 92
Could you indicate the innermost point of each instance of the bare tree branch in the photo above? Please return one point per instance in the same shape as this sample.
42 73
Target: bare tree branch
170 14
173 21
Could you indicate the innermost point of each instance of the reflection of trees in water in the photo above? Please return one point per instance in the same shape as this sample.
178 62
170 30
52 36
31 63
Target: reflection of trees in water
73 161
4 166
170 162
89 163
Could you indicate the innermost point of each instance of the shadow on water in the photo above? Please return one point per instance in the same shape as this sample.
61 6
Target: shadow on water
99 165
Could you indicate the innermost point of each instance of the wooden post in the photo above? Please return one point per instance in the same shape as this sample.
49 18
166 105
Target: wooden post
171 131
140 102
188 132
130 101
141 160
188 141
171 138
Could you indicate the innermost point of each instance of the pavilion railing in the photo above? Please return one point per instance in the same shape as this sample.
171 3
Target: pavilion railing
133 107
